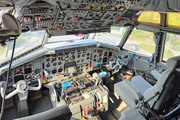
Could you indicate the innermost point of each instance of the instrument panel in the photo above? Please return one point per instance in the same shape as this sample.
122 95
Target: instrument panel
75 61
65 62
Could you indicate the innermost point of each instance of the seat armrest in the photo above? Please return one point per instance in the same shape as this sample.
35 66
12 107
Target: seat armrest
156 74
132 89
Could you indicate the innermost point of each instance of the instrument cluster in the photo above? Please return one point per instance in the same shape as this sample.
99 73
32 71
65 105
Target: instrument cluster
72 61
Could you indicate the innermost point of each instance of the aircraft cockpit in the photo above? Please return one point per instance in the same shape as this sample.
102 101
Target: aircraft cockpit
89 59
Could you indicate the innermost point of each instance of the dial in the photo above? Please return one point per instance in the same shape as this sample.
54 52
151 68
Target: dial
60 70
18 70
59 63
95 56
78 61
66 53
72 57
78 56
83 55
88 54
47 60
100 54
99 60
54 71
105 53
94 51
54 64
60 58
87 58
66 59
72 52
47 65
28 76
82 60
38 70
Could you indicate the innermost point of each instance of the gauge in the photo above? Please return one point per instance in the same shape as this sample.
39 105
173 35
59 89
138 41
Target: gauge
54 71
84 50
38 70
54 64
59 63
78 56
47 60
72 57
100 54
10 80
82 60
66 53
94 60
88 54
95 56
99 60
66 59
105 53
18 70
72 52
83 55
60 58
87 58
53 55
94 51
60 70
28 76
47 65
78 61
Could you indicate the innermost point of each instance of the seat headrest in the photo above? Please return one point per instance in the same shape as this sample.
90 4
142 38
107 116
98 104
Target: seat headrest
10 22
173 62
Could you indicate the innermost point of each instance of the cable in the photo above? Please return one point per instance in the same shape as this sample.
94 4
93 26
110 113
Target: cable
3 99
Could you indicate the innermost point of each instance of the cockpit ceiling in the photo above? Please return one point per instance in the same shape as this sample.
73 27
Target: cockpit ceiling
84 16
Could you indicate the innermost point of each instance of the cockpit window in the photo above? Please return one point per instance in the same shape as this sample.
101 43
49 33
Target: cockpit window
172 46
25 42
141 42
113 38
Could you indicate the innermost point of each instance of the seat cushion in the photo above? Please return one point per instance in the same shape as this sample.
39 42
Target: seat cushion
120 90
140 83
131 114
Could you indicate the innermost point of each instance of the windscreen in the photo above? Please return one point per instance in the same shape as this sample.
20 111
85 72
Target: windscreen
25 42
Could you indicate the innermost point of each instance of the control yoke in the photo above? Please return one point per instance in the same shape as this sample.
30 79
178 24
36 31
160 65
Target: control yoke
21 87
116 64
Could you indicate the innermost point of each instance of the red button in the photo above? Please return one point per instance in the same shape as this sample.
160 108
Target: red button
58 28
61 79
89 109
135 17
20 71
76 18
117 17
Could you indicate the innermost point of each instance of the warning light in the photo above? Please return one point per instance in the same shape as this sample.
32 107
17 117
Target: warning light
117 17
135 18
58 28
76 18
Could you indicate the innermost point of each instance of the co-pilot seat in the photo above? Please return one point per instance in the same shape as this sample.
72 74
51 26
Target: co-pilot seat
158 97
